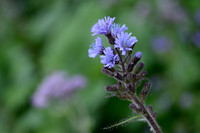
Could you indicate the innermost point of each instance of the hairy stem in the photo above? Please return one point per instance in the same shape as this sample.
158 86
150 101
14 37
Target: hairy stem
152 122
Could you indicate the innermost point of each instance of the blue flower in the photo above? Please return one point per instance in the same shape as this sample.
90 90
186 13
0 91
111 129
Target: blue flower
125 41
96 48
103 26
138 55
109 58
117 28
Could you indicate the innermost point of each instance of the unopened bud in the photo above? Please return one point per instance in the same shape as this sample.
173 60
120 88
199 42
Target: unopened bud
141 75
137 56
118 76
111 88
139 67
131 88
120 87
133 77
125 76
130 67
144 92
111 69
107 72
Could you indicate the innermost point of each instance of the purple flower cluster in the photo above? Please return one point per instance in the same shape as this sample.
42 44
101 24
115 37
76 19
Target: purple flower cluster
118 38
57 86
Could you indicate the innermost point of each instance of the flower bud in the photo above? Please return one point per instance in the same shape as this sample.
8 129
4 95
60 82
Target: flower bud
139 67
131 88
144 92
118 76
119 85
111 88
125 76
130 67
111 69
137 56
107 72
141 75
133 77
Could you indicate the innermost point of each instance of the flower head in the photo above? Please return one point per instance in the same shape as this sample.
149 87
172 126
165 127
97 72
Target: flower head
109 58
96 48
57 86
125 41
103 26
117 28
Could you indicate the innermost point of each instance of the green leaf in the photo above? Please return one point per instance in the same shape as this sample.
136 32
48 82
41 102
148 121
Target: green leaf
124 121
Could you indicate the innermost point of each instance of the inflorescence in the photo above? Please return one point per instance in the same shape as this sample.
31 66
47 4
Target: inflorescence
56 86
121 65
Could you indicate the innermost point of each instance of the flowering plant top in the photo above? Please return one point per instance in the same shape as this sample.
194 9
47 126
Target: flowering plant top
127 70
117 38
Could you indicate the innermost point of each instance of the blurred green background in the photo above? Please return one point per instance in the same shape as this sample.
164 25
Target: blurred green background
40 37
